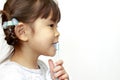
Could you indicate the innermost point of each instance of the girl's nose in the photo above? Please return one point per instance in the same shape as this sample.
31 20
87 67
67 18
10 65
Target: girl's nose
57 34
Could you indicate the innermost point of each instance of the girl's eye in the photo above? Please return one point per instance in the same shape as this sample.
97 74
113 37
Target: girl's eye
51 25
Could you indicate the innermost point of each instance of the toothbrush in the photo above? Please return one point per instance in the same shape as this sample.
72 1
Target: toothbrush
56 57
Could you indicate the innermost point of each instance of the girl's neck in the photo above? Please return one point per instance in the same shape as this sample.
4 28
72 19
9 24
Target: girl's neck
25 58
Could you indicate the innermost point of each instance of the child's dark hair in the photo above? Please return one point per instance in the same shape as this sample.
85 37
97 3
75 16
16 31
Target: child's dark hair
27 11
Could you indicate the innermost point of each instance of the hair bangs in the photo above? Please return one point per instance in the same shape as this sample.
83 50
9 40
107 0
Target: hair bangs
52 7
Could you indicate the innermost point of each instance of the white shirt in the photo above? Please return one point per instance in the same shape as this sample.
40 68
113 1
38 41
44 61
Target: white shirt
13 71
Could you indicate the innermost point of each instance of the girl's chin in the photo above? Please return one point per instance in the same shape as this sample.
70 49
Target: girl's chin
52 53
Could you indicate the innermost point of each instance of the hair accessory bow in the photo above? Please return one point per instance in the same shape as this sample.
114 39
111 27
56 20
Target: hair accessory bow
12 22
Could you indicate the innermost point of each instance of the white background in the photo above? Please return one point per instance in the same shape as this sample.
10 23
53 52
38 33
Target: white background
90 39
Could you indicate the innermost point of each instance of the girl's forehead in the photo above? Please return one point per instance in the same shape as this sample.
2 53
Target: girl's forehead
43 21
50 17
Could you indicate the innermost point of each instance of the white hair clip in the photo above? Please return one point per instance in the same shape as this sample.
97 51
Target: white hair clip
13 22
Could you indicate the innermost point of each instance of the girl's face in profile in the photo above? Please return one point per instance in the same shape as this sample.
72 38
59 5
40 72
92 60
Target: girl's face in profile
44 37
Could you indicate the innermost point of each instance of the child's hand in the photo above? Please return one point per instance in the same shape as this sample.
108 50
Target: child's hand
57 71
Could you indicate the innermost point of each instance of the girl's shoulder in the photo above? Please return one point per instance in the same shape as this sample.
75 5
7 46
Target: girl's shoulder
9 72
12 71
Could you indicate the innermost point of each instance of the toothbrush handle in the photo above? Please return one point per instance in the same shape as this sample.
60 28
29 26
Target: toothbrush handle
56 57
57 54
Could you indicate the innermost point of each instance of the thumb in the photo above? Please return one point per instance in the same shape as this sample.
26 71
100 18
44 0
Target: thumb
51 65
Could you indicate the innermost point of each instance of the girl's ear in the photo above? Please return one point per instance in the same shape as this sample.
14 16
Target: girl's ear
21 31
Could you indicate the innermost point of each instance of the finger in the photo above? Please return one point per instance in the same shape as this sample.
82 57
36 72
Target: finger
58 68
64 77
60 62
59 73
51 65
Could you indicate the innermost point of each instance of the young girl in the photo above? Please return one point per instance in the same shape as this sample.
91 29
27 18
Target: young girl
30 27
